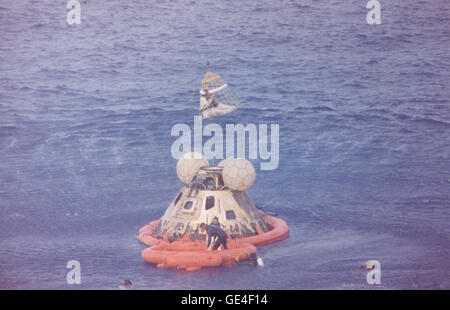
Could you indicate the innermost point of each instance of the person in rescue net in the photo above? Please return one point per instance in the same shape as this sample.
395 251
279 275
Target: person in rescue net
210 102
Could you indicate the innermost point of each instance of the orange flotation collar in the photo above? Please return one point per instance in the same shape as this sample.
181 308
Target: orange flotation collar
193 255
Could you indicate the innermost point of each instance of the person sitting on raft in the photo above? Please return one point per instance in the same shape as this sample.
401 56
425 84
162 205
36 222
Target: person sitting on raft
216 235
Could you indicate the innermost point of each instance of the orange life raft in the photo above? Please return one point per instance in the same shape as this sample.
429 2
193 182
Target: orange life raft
192 255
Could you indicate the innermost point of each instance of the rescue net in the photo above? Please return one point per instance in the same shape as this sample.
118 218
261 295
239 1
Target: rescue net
216 98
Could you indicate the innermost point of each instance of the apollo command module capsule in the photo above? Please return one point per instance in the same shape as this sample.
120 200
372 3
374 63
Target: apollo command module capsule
177 240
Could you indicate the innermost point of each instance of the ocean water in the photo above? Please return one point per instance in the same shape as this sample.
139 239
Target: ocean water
86 113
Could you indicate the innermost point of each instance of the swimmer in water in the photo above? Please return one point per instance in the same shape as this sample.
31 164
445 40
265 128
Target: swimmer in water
126 285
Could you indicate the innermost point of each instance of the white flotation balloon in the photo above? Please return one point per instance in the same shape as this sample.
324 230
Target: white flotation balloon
189 165
223 162
238 174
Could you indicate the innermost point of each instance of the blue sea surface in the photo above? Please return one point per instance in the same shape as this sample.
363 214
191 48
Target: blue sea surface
86 113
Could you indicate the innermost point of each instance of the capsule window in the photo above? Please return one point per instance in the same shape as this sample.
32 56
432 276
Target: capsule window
180 194
230 215
209 202
188 205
